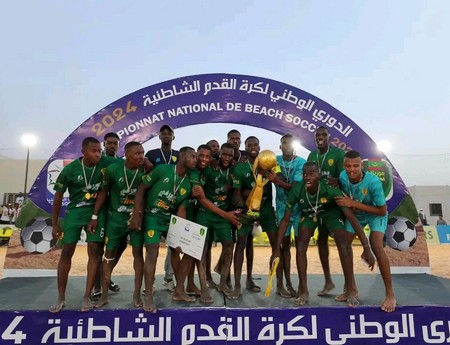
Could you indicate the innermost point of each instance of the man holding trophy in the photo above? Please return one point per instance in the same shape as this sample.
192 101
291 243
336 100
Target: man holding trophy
253 200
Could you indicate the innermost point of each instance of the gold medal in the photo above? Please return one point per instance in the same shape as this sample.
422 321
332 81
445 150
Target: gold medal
314 219
174 200
87 196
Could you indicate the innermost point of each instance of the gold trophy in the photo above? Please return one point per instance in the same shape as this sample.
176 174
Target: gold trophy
266 160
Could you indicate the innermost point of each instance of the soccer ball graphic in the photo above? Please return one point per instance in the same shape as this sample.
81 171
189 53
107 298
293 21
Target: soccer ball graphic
36 236
400 233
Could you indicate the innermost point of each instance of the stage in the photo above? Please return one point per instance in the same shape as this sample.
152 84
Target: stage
422 315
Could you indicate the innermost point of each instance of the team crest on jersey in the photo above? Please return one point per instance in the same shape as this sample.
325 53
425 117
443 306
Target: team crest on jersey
151 233
364 191
323 200
174 159
182 191
166 180
103 171
331 162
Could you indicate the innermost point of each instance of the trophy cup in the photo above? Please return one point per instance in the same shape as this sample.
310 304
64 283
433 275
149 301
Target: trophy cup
266 160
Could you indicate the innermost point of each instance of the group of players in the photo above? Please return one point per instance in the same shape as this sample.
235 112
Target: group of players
117 199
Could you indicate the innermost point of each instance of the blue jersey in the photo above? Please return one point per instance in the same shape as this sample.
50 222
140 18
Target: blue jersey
368 191
292 172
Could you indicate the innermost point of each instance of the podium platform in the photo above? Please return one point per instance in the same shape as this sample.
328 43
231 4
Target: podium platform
422 315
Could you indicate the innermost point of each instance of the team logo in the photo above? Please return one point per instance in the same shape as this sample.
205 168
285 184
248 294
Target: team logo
331 162
151 233
364 191
174 159
182 191
323 200
174 220
202 232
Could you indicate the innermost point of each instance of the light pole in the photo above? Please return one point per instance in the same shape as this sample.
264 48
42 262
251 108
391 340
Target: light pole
28 140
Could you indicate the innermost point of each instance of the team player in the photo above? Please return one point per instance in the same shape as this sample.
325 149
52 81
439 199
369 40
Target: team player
215 148
316 200
163 192
243 182
217 189
120 182
331 162
365 196
82 178
165 155
289 172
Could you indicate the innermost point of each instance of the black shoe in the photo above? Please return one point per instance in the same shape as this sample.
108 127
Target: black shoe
114 287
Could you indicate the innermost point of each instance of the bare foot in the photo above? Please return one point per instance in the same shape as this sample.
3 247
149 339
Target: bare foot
290 289
252 286
224 289
282 292
326 289
183 297
86 305
389 304
206 297
352 300
149 305
343 297
302 299
101 302
193 290
210 283
137 301
234 294
57 307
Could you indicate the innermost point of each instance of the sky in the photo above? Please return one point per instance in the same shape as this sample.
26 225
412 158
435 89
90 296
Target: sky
384 64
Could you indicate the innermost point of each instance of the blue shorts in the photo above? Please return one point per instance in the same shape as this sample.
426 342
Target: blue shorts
376 223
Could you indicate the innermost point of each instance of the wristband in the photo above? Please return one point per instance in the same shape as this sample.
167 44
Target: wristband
94 217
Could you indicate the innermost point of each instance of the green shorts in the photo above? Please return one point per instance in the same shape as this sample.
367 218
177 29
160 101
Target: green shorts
76 220
328 221
218 228
117 230
268 220
153 228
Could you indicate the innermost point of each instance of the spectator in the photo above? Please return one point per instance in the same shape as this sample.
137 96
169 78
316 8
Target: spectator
441 220
422 217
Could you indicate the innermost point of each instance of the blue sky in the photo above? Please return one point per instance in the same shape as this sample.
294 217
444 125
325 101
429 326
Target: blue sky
382 63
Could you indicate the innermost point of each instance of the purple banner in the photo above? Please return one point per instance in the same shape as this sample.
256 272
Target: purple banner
221 98
338 325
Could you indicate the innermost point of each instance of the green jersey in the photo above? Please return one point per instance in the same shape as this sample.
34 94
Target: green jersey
318 204
217 186
82 182
167 191
122 184
331 163
244 178
195 180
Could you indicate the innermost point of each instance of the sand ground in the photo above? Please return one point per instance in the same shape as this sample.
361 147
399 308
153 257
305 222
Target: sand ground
439 261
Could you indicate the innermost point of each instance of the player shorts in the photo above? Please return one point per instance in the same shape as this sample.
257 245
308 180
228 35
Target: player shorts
329 221
267 220
218 228
376 223
116 231
153 228
292 226
76 220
